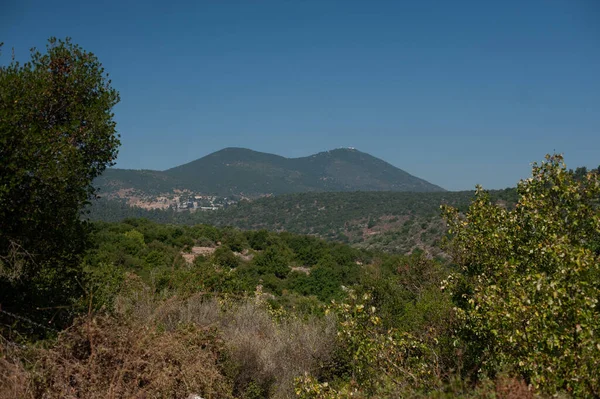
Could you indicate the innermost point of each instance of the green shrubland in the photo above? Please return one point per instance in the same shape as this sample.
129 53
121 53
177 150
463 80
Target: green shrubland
144 309
513 313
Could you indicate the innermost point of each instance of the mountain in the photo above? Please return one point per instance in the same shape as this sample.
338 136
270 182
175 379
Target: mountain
240 171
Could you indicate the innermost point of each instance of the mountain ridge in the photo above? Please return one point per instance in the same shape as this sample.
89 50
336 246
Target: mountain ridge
241 171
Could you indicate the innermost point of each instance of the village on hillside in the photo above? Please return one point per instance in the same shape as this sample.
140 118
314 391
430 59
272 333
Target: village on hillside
178 200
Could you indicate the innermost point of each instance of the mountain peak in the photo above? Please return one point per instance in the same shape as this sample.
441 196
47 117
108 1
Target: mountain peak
242 171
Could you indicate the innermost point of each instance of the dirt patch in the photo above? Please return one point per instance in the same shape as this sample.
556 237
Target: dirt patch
204 251
244 255
301 269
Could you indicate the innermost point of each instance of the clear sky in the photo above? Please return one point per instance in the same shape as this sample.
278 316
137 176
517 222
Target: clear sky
456 92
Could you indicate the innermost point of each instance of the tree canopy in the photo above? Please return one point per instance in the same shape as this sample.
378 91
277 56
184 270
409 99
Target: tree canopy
57 134
529 282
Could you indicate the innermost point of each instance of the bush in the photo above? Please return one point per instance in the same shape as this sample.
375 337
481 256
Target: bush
234 239
372 361
273 260
225 257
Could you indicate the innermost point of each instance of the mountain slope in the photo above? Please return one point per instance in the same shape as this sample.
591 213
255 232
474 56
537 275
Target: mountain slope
146 181
239 171
351 170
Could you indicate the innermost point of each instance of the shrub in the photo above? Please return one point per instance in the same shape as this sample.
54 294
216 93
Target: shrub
234 239
273 260
267 355
372 361
225 257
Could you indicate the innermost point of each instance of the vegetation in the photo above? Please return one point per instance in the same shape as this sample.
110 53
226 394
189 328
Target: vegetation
393 222
281 315
149 182
264 307
529 283
176 310
56 136
228 261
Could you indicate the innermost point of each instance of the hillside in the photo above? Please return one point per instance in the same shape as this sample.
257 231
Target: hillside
243 172
147 181
389 221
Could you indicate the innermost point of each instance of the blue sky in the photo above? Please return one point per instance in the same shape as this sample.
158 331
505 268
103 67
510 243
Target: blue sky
456 92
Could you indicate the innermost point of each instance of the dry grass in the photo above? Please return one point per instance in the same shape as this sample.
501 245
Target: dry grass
264 355
155 346
268 355
512 388
14 379
105 358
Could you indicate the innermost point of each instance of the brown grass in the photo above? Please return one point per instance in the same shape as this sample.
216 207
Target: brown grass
102 357
512 388
263 354
14 379
268 354
155 346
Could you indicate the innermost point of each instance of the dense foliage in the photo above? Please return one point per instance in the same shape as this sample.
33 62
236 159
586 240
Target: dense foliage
529 282
56 136
205 259
139 271
279 314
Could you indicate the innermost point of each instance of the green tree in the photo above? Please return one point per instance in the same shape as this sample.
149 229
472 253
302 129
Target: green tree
529 282
235 239
56 135
258 240
225 257
580 172
273 260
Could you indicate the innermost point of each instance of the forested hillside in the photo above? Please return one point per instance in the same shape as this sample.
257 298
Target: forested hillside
393 222
268 296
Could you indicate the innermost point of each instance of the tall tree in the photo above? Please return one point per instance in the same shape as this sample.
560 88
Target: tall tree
57 134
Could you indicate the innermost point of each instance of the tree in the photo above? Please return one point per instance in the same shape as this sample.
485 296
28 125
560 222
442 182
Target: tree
273 260
56 135
529 282
225 257
580 172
